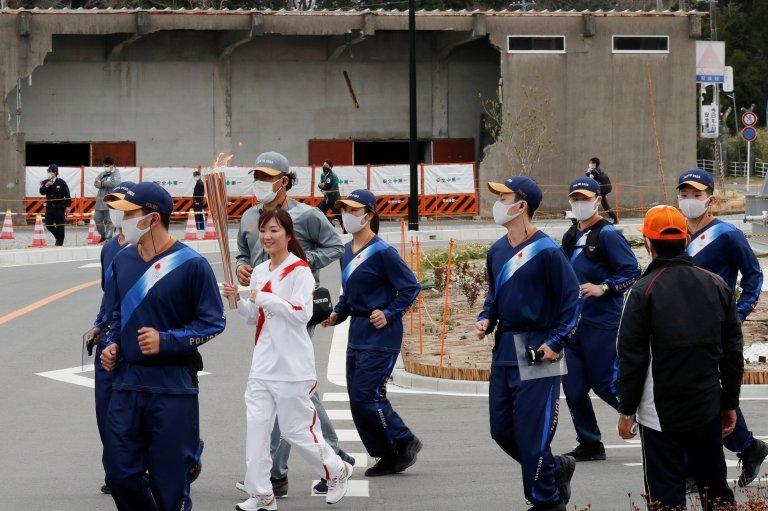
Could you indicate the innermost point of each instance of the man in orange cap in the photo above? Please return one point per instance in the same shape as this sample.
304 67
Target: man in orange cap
680 367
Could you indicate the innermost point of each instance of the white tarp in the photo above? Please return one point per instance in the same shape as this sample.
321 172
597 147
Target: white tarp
449 179
391 180
385 180
350 179
35 175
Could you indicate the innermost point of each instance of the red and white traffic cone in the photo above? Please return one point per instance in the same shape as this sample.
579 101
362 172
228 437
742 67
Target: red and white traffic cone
7 233
190 233
93 237
38 239
210 231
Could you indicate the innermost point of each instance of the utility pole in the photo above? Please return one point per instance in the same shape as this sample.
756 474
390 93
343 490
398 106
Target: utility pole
718 152
413 202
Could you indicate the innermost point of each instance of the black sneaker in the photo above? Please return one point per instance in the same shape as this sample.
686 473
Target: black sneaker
407 455
346 457
588 452
560 506
195 472
105 489
564 476
279 487
383 467
751 460
320 488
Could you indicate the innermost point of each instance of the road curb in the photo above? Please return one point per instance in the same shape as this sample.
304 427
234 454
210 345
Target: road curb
403 379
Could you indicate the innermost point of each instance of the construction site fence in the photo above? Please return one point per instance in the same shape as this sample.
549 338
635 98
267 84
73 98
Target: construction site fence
444 189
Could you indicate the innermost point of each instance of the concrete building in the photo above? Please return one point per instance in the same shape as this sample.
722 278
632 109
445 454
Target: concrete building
170 88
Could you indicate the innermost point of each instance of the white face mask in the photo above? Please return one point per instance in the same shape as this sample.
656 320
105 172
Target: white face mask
583 210
264 192
352 223
116 217
131 231
501 212
693 208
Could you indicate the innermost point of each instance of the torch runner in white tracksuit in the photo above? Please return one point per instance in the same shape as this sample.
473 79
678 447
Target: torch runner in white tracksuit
283 376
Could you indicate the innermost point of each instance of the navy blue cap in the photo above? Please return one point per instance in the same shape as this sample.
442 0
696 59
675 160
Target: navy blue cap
697 178
584 185
526 189
119 191
145 195
53 168
359 199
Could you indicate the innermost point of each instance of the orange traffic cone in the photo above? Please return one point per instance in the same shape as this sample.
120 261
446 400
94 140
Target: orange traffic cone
93 237
38 239
190 233
210 231
7 233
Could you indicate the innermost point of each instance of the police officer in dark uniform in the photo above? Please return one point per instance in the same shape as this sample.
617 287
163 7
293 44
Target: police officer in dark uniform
57 203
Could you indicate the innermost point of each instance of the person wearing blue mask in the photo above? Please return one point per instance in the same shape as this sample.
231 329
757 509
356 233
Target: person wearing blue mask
165 304
533 306
606 268
722 249
378 288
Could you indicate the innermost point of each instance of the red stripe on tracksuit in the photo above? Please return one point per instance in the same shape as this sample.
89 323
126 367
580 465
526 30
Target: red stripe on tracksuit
301 263
262 317
312 430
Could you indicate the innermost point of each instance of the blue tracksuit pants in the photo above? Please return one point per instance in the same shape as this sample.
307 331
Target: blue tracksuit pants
741 439
102 392
592 365
523 417
381 429
158 433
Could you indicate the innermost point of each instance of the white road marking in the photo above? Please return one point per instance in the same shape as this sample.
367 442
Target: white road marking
728 463
339 415
73 375
623 446
361 459
337 358
91 265
355 488
348 435
336 397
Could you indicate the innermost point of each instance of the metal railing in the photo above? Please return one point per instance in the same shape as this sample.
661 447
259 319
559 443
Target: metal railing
736 168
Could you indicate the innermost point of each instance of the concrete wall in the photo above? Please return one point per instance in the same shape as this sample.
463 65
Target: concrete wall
187 86
599 105
283 91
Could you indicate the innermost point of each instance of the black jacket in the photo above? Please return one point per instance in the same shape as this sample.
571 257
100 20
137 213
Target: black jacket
602 179
56 194
198 194
679 343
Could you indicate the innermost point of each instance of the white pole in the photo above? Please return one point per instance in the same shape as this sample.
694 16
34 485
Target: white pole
749 156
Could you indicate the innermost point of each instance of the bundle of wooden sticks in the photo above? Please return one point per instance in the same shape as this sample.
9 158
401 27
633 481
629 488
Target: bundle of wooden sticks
216 193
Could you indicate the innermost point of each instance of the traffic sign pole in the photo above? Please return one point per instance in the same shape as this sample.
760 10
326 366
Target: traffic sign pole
749 159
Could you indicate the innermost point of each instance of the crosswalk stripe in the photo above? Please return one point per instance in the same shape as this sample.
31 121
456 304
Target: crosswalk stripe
361 459
338 397
348 435
355 488
339 415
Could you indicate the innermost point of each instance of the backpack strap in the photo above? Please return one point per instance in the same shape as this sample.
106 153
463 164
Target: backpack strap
569 239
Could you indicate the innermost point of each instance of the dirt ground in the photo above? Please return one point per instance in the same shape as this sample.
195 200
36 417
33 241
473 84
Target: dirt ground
463 349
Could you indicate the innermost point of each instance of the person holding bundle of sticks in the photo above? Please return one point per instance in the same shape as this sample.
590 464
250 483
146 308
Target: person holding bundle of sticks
283 375
322 245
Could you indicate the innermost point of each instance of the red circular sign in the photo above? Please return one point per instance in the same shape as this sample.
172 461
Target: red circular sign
749 118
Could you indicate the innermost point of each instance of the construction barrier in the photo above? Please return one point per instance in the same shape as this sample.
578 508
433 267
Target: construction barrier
444 190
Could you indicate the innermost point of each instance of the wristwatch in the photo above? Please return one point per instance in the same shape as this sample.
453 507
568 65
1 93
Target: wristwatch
605 288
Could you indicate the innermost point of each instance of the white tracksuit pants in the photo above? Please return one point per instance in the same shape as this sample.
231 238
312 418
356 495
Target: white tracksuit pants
297 418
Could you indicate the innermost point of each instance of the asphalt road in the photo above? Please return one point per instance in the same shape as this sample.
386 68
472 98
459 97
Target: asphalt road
50 451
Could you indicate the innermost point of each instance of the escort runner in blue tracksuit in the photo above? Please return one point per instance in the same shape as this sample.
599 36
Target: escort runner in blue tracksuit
532 302
377 287
606 267
98 334
721 248
166 304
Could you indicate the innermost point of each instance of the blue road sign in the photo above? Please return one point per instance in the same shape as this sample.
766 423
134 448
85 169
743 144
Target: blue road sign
749 134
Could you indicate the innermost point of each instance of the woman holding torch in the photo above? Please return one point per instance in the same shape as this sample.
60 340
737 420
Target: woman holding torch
283 376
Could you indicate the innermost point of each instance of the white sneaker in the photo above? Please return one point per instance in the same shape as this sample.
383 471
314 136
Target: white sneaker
337 485
240 485
259 503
